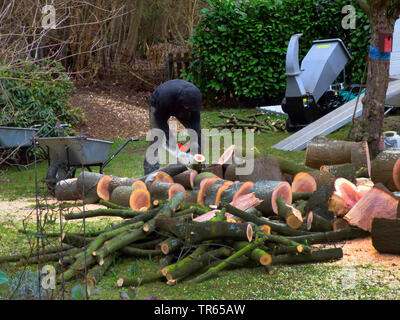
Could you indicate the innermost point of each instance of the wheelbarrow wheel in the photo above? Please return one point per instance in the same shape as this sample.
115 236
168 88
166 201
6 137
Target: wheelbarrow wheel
55 173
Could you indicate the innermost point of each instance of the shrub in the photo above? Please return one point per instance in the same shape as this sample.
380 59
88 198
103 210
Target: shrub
35 94
240 46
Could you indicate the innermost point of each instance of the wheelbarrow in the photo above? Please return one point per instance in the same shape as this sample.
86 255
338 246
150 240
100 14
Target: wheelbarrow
67 154
18 139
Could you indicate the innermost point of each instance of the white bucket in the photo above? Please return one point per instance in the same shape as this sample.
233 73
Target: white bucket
392 139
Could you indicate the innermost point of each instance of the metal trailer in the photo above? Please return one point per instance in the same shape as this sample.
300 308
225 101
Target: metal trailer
67 154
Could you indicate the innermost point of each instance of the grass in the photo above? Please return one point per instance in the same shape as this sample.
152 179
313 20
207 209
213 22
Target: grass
318 281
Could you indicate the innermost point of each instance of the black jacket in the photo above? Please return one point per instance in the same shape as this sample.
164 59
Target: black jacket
171 98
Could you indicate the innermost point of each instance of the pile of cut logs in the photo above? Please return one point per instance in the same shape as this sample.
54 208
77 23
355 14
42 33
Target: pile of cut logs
198 223
258 123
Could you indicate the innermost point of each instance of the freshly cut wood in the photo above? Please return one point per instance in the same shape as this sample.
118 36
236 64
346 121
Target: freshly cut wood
375 204
67 190
269 192
210 194
221 190
346 170
165 190
364 185
158 177
348 191
386 235
246 201
360 157
199 232
87 186
140 199
186 178
323 151
338 205
198 162
304 182
139 184
107 184
215 169
206 216
292 216
103 190
385 168
228 156
204 185
244 189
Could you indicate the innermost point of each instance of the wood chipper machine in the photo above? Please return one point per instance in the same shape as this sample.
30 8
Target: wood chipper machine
310 93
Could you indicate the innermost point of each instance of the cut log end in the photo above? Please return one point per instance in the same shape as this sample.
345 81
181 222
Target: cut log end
140 199
249 232
174 189
162 177
265 259
227 156
283 191
300 249
204 184
244 189
266 229
295 220
164 248
139 184
102 187
304 182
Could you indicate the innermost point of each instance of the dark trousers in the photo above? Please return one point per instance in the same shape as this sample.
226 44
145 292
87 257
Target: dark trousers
149 168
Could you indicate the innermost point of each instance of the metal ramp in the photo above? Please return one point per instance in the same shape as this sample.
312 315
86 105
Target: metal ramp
334 120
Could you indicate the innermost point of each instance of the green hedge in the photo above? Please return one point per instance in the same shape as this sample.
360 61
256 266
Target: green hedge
240 46
35 94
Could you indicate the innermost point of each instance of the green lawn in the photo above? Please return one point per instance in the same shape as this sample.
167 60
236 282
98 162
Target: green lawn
319 281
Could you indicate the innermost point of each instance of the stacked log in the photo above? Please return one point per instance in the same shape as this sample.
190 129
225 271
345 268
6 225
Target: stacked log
224 220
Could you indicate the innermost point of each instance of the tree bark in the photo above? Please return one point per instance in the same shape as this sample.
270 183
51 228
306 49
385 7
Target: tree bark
382 16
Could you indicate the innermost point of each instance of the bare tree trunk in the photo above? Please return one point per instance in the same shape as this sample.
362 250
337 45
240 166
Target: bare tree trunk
369 126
